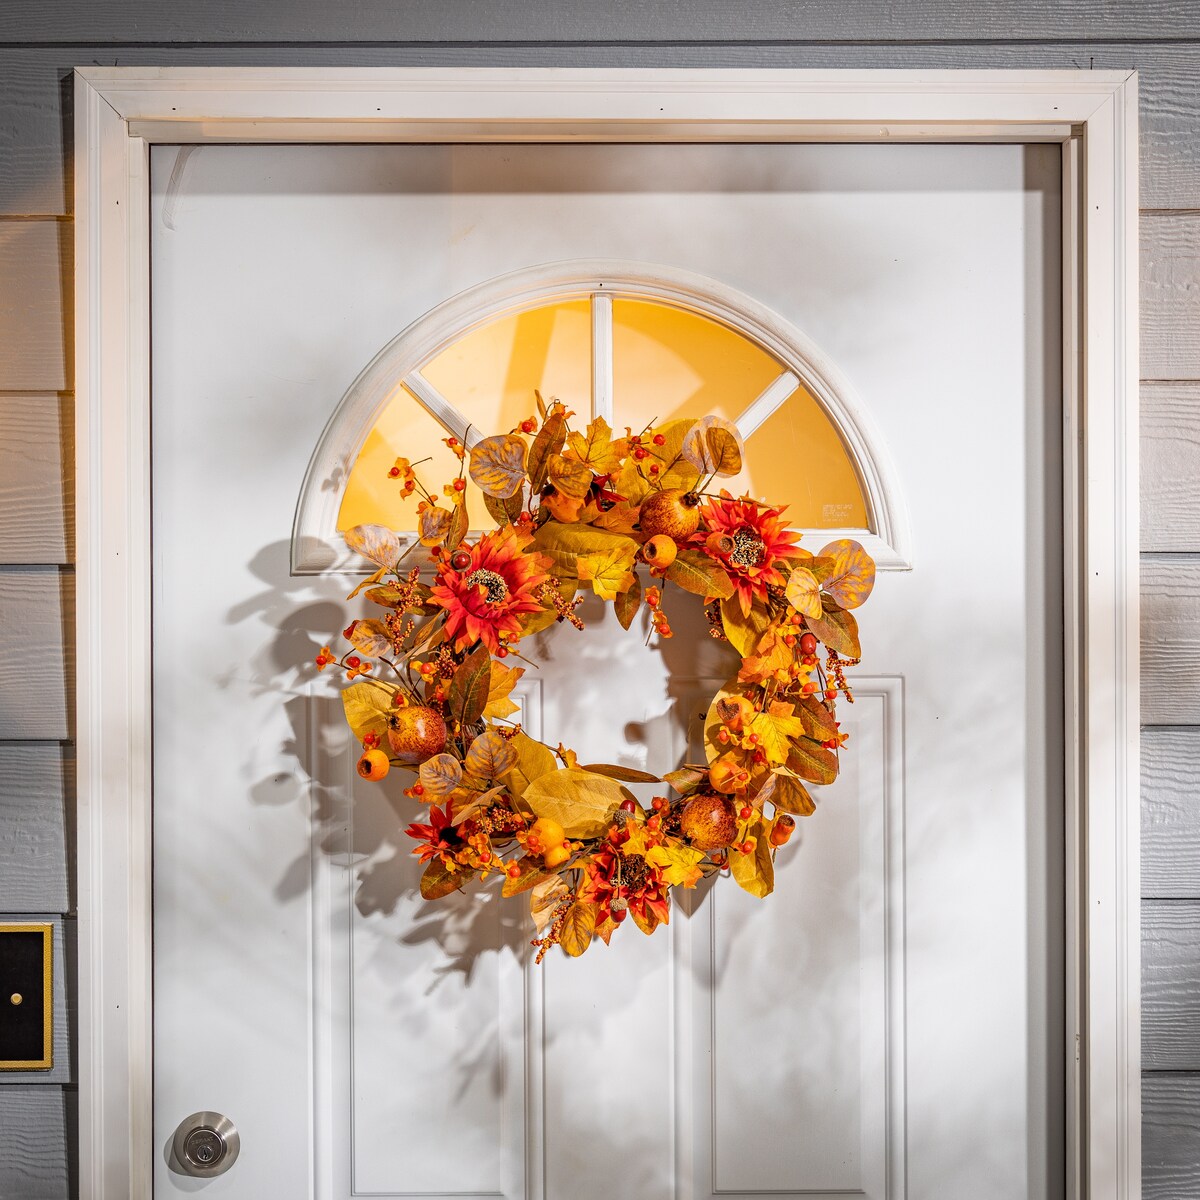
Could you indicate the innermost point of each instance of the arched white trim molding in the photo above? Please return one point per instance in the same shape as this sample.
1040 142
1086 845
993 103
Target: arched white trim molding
317 547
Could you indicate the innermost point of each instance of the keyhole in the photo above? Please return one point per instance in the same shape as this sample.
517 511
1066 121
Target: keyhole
204 1147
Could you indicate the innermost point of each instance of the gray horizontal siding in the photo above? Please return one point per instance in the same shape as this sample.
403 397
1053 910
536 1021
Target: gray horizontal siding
1171 812
1171 639
37 674
33 1144
1171 1136
35 281
1171 985
613 21
37 454
1170 449
37 799
35 140
1170 271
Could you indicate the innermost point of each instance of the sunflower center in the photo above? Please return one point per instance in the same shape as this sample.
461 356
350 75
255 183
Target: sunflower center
493 585
632 872
748 548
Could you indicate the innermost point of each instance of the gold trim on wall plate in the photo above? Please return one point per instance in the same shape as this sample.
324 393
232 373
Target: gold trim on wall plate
46 1062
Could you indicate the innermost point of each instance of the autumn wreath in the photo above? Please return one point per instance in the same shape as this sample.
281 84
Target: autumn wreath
431 679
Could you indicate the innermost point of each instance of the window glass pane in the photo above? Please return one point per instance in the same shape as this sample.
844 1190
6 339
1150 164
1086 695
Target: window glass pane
669 363
825 493
489 375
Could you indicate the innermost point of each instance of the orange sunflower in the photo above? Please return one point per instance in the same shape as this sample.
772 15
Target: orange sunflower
490 594
759 542
622 875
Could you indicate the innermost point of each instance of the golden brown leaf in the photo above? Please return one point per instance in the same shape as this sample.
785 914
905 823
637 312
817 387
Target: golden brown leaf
810 760
437 881
776 728
686 779
697 573
563 544
441 774
853 574
818 721
375 542
784 790
755 872
804 592
432 526
501 682
582 802
533 761
577 928
610 572
676 471
621 518
770 655
544 899
714 446
469 687
532 873
838 630
569 476
624 774
459 524
743 629
368 705
550 440
627 603
596 448
498 464
490 756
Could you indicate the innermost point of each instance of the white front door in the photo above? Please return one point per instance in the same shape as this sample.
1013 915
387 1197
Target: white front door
889 1022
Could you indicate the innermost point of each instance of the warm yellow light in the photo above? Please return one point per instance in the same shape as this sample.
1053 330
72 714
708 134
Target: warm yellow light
668 363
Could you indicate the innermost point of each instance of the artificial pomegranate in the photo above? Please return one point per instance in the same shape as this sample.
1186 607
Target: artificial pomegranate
709 821
660 551
674 513
416 733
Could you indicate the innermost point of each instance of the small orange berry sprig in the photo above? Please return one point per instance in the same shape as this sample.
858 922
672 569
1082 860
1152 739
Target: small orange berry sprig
430 682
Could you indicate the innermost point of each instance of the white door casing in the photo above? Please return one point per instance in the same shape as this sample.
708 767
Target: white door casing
117 110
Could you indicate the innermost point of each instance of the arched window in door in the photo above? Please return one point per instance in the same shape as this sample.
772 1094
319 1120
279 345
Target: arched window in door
634 345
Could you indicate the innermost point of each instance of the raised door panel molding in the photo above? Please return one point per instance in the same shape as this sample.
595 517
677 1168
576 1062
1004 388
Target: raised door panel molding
1171 812
37 673
35 313
35 791
33 1144
1171 639
37 455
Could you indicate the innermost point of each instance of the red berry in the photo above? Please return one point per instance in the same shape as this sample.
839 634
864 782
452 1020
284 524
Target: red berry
831 693
744 812
460 560
394 472
654 468
630 806
808 644
502 652
354 661
659 440
619 914
528 425
639 453
459 484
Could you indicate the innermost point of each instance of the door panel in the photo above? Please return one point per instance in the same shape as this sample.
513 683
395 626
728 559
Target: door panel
888 1023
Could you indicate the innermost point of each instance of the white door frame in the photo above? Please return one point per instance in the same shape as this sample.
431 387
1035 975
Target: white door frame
121 112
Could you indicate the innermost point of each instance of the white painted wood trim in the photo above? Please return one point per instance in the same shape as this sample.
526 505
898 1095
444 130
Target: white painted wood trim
120 110
602 356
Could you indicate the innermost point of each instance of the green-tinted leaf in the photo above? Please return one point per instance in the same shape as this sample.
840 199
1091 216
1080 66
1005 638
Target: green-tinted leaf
625 774
810 760
563 544
838 630
550 440
687 779
819 722
438 882
627 604
469 687
695 572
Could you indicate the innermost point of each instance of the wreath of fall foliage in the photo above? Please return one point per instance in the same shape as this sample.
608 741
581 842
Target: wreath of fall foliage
431 679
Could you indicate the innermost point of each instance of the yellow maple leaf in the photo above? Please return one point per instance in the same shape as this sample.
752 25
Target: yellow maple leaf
610 572
680 865
770 655
500 685
596 448
775 728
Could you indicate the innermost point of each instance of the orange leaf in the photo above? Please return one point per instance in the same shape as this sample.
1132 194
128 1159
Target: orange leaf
804 592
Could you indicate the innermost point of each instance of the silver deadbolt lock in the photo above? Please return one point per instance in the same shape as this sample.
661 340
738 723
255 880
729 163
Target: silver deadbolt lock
205 1144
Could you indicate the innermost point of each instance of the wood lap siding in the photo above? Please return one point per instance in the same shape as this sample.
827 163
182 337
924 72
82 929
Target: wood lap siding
40 43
